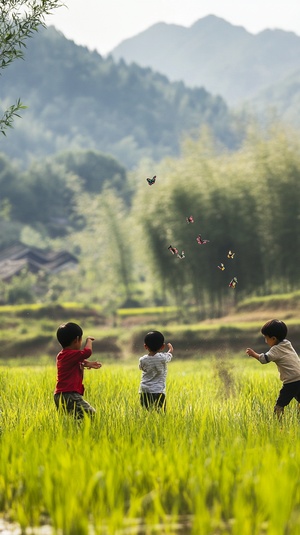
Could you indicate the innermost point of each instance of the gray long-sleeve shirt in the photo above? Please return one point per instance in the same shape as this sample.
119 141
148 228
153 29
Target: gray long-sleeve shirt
286 360
154 372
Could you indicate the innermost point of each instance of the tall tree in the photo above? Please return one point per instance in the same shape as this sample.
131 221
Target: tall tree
19 20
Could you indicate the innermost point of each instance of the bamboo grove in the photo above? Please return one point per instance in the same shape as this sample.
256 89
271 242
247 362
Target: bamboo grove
247 201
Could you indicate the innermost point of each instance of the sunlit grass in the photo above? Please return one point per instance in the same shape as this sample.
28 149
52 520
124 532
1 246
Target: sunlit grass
274 300
217 456
144 311
35 307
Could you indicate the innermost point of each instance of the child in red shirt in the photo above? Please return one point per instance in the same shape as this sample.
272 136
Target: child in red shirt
70 362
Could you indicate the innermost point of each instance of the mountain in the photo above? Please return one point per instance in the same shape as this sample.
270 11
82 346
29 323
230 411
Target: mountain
225 59
77 99
281 100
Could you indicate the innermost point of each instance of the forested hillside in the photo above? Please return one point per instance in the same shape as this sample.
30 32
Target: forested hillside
225 59
43 199
78 100
281 100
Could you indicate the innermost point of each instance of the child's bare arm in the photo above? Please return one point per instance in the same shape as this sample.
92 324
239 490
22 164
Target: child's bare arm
89 342
94 364
252 353
170 347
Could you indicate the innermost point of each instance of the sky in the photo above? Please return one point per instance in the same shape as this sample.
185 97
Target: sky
103 24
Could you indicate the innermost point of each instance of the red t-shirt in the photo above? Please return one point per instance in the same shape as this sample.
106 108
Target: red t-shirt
69 372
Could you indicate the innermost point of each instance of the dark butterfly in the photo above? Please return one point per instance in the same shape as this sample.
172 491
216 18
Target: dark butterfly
233 283
201 241
189 219
173 250
230 254
151 181
221 267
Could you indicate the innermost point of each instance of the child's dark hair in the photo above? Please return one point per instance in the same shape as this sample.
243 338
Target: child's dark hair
154 340
275 328
67 333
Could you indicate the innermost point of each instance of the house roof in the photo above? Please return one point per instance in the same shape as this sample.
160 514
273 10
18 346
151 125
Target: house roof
17 257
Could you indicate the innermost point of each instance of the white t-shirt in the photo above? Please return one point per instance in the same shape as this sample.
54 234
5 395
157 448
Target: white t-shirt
154 373
286 360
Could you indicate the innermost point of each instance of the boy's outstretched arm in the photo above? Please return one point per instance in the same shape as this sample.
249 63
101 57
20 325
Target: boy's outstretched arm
94 364
252 353
170 348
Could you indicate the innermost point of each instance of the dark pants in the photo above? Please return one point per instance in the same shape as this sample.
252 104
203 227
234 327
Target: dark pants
287 393
155 401
73 403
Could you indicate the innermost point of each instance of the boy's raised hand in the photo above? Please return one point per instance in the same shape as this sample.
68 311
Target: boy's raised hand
89 342
170 347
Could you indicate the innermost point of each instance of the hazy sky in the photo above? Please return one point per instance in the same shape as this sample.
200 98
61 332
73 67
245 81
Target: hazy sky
102 24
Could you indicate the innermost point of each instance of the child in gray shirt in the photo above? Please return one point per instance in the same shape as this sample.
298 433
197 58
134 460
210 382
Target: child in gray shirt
154 371
285 357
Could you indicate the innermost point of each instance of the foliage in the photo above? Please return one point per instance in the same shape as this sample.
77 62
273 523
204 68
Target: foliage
41 202
105 247
19 290
213 460
19 20
8 116
95 170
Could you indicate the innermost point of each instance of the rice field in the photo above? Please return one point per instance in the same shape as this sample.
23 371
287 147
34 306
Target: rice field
216 463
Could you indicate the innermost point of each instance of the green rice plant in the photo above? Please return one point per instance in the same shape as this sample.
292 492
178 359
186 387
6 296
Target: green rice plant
217 462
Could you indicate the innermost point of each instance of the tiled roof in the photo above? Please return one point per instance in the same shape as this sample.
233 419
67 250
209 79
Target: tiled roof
17 257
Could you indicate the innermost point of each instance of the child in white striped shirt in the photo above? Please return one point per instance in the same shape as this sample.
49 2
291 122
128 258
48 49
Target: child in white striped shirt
154 371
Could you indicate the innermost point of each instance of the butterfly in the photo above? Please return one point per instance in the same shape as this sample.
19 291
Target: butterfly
201 241
181 256
233 283
230 254
189 219
151 181
221 267
173 250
